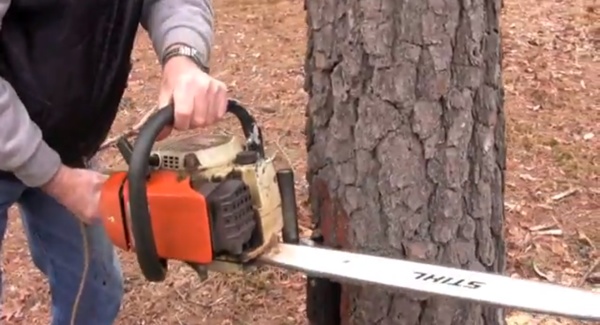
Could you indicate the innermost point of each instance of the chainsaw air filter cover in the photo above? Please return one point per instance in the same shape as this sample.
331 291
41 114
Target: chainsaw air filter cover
197 151
233 218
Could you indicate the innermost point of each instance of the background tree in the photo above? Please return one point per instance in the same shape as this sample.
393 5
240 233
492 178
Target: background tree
406 147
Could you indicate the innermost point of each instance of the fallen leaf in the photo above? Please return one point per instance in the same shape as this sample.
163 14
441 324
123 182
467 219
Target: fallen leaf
519 318
549 276
585 239
594 278
564 194
550 232
528 177
545 226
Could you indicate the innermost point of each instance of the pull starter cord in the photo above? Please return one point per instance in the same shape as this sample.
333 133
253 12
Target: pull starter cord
86 266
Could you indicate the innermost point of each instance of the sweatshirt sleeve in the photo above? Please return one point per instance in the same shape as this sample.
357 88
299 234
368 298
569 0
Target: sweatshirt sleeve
180 21
22 149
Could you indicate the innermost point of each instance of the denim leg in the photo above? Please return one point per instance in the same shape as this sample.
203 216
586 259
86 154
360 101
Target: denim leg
57 245
10 191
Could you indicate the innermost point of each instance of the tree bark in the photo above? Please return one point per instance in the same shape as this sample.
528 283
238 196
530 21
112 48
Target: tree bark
406 149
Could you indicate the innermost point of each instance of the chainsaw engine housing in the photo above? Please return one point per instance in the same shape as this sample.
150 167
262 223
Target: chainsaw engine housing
240 188
212 201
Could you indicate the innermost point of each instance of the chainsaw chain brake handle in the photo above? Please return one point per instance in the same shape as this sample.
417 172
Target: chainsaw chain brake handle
137 156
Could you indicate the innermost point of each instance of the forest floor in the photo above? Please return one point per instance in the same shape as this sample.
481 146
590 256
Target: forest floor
552 83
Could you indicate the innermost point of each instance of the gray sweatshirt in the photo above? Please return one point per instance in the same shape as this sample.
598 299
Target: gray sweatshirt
22 149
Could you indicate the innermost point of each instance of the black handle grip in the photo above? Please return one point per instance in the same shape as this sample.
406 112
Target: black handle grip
153 267
253 133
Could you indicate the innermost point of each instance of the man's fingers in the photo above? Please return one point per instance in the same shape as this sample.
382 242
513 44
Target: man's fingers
210 102
166 131
183 102
164 98
201 105
222 100
198 99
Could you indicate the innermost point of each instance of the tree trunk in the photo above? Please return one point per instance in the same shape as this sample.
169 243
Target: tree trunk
406 149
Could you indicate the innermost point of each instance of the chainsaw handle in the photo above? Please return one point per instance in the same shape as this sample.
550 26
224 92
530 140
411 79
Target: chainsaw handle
253 133
153 267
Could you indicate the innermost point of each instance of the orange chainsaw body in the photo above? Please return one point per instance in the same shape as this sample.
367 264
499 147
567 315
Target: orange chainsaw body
180 216
215 202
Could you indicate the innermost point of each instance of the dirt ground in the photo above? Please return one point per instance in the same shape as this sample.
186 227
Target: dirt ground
552 79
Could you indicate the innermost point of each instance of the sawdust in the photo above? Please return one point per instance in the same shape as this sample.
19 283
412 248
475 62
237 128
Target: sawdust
552 84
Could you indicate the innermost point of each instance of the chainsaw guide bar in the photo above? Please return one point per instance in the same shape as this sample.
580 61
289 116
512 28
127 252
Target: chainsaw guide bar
218 204
484 288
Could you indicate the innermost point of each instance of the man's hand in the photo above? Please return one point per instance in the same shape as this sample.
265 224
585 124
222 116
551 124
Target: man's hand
78 190
199 100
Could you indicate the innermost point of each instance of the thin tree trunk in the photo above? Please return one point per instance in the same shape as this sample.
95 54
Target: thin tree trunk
406 148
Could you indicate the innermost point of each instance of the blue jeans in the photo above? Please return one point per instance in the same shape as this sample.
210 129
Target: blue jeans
56 246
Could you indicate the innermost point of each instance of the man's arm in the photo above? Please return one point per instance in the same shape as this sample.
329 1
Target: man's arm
169 22
22 149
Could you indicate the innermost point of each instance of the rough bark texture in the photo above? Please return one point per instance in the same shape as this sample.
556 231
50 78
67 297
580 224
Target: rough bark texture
406 148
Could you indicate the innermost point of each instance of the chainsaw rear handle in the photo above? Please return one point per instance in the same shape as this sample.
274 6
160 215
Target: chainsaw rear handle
153 267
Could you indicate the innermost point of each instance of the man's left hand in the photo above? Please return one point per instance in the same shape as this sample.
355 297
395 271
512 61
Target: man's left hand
198 99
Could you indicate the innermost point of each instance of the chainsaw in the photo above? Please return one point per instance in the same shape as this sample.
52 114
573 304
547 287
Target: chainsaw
218 203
